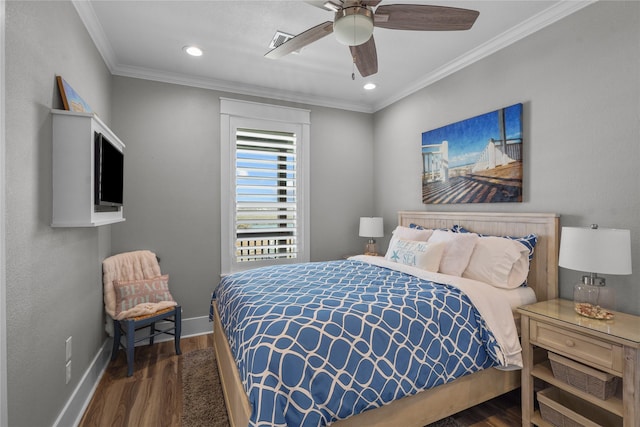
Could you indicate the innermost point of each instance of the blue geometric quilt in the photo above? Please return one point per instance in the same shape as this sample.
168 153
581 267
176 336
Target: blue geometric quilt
318 342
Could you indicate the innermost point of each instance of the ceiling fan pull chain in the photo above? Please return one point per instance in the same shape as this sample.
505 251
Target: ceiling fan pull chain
353 66
353 69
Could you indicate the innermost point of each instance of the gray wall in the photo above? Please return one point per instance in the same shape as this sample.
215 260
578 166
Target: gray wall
579 80
172 181
53 276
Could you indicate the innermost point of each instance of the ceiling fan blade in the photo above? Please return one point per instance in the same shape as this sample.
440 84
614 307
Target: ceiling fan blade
319 4
424 17
336 5
365 57
301 40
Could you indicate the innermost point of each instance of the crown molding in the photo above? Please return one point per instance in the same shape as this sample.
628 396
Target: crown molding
96 32
237 88
514 34
547 17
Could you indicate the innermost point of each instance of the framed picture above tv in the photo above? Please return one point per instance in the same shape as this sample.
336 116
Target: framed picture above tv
477 160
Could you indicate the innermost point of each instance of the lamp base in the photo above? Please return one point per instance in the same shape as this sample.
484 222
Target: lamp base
594 301
371 248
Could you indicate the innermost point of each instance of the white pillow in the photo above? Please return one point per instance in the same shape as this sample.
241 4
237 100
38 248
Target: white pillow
457 251
423 255
407 233
500 262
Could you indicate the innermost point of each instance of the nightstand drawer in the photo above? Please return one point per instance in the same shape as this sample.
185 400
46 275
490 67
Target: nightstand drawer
580 347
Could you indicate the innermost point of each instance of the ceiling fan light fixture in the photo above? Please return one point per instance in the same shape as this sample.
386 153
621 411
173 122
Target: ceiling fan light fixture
353 26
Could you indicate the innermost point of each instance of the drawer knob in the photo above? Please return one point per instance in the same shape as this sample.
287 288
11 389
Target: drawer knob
570 343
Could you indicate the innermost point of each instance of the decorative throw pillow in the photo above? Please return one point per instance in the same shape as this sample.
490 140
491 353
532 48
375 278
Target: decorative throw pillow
133 292
423 255
408 233
500 262
457 251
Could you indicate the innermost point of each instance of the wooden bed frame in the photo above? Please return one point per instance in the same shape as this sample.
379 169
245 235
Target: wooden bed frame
445 400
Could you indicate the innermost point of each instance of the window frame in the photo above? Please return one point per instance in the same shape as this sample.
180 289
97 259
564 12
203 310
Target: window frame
237 114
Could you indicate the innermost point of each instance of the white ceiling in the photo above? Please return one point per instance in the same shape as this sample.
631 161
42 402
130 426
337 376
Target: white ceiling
144 39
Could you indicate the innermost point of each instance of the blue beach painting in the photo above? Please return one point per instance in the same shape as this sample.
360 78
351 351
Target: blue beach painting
477 160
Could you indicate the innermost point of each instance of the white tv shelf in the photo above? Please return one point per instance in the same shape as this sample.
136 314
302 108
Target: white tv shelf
73 171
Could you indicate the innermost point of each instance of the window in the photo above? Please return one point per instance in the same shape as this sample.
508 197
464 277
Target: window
264 184
265 195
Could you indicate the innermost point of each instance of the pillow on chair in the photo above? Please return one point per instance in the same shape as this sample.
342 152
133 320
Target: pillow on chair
133 265
144 296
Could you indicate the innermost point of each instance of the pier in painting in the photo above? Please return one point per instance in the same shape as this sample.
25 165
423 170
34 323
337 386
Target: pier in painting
501 184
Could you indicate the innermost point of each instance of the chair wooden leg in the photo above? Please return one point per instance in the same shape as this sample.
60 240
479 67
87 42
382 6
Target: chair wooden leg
178 331
131 334
128 328
117 336
152 332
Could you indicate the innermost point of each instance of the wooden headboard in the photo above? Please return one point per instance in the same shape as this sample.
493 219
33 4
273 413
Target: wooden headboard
543 271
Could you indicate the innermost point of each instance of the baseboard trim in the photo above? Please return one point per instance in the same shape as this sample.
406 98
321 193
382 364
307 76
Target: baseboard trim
81 396
74 409
190 328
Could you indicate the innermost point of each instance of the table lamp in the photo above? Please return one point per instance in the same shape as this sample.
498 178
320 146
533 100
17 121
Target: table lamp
371 227
595 250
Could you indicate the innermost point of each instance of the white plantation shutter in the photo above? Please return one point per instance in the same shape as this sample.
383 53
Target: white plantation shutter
266 208
264 181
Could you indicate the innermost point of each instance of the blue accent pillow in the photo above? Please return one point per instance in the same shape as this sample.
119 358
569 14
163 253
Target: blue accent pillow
419 227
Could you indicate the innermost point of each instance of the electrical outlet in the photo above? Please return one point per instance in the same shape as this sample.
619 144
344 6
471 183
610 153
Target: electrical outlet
68 372
68 349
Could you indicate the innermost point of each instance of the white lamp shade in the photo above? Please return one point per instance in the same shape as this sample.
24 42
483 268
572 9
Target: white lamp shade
371 227
596 250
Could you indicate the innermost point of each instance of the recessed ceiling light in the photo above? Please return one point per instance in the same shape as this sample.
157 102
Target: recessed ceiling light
370 86
193 50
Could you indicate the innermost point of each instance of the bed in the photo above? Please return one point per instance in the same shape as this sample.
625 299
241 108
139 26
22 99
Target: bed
432 404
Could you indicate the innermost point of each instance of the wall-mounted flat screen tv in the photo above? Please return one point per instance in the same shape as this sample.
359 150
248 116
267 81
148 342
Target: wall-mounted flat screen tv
109 171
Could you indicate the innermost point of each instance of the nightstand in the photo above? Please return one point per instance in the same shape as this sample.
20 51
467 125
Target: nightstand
610 346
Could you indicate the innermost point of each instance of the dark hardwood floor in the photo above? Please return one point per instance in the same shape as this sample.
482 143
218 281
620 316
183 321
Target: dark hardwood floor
153 395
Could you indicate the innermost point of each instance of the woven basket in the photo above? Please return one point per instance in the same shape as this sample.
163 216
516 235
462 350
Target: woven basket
565 410
584 378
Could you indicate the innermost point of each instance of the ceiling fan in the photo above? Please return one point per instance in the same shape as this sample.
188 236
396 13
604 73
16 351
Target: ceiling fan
355 19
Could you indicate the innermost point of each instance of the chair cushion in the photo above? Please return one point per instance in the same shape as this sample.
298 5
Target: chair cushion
142 296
